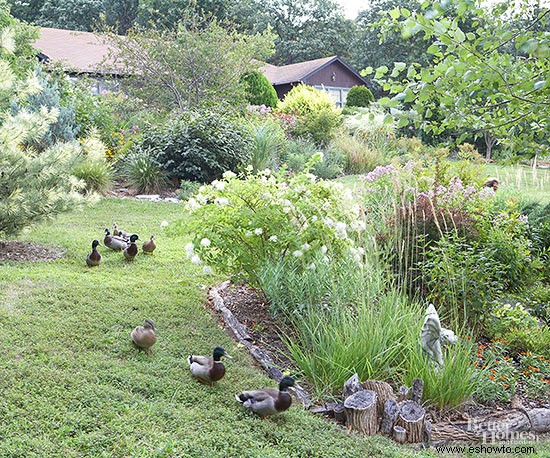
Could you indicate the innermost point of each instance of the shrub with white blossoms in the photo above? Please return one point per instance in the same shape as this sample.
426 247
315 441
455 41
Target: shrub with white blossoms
241 222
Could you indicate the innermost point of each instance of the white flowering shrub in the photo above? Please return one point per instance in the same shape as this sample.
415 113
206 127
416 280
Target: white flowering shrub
241 222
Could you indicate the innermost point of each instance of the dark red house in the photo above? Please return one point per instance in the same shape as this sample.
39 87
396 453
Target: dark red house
330 73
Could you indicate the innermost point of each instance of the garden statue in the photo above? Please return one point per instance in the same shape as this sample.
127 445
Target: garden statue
433 335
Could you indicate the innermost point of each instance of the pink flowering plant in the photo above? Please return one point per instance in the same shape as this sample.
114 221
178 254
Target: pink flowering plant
241 222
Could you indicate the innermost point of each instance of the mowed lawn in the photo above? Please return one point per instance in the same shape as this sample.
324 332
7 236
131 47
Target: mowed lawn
73 385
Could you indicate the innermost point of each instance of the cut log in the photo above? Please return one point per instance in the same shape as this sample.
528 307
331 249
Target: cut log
508 421
360 411
427 433
416 390
403 394
540 420
383 391
411 417
352 386
400 434
391 411
340 414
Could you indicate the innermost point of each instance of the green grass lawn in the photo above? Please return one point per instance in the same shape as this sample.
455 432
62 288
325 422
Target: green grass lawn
527 182
73 385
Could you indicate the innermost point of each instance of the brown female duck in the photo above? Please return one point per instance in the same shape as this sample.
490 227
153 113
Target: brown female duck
144 337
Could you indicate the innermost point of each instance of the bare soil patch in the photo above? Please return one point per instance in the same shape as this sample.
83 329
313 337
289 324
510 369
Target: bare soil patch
18 251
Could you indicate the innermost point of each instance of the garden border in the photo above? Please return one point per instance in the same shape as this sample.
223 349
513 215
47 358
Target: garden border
240 333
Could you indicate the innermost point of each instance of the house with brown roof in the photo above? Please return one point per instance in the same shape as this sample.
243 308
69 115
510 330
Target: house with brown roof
85 53
330 73
78 53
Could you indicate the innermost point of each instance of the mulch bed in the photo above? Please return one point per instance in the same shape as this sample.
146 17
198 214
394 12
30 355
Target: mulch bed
17 251
252 311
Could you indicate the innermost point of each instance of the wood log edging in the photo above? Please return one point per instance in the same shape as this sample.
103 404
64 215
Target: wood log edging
240 333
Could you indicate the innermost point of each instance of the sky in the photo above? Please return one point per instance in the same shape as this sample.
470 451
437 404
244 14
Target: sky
352 7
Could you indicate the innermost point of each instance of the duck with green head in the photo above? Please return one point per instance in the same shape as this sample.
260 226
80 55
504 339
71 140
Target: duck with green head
93 259
208 369
268 401
131 251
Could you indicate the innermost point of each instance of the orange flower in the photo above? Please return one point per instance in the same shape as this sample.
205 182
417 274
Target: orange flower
505 385
493 371
502 377
534 369
492 377
526 372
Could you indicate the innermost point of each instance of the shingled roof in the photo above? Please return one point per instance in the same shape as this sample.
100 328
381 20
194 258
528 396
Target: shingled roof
79 52
301 71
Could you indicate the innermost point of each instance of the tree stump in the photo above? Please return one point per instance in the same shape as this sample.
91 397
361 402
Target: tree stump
417 390
361 412
383 391
399 434
402 394
340 413
427 433
389 416
411 417
352 386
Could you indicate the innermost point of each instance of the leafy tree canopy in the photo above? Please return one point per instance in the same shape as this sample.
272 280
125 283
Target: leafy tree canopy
475 84
197 64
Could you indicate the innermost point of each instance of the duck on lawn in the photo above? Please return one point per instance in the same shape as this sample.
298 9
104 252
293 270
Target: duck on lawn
144 337
131 251
94 257
150 245
113 242
208 369
268 401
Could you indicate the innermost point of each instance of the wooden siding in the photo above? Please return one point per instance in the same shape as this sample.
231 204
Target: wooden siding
342 77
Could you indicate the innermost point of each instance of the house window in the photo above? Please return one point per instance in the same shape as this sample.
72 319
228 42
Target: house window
338 94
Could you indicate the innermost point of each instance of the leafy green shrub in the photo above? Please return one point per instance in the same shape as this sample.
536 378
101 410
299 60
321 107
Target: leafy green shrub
245 222
65 128
259 90
359 96
93 168
498 375
188 189
198 146
268 142
143 173
297 157
317 116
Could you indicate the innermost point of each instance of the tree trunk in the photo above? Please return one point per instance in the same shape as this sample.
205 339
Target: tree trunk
361 412
411 417
391 411
402 394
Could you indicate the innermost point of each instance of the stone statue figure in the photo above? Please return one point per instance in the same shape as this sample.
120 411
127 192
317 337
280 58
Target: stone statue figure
433 335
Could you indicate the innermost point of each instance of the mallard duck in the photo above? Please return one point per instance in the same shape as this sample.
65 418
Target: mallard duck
94 257
114 243
150 245
208 369
268 401
131 251
144 337
120 233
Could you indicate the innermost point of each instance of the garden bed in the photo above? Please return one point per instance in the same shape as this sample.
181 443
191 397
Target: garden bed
18 251
251 311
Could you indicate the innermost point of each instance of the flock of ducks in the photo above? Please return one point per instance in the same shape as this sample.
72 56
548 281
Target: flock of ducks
120 241
206 369
210 369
